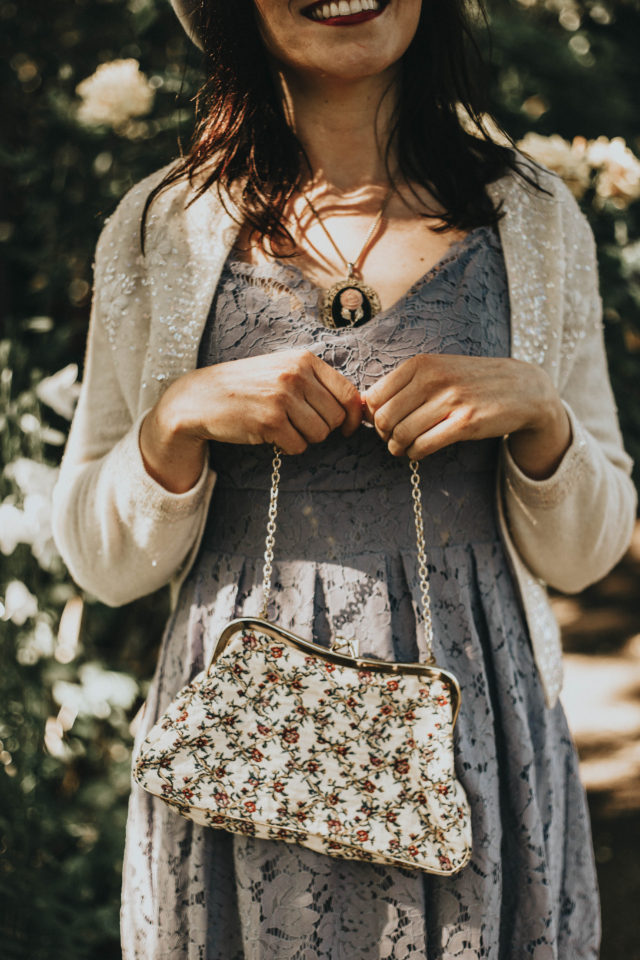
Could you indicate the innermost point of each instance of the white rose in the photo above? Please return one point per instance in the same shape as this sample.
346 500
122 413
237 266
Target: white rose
36 644
60 391
32 524
31 476
19 603
37 510
618 170
566 159
115 93
97 693
15 528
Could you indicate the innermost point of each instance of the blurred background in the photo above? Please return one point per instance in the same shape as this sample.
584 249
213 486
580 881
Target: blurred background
95 94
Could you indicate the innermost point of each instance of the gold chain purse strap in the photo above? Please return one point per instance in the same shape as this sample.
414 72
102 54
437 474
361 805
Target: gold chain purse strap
423 572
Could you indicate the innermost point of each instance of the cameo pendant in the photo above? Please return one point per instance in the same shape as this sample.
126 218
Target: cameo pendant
348 303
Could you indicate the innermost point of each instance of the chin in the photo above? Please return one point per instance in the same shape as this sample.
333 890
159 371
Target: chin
326 49
348 61
357 68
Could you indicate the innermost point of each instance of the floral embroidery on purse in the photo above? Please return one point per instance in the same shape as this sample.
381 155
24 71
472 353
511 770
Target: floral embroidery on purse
285 739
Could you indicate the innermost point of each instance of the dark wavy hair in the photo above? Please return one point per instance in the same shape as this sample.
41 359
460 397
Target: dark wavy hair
249 151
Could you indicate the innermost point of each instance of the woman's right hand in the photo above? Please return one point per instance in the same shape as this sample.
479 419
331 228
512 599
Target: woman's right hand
290 398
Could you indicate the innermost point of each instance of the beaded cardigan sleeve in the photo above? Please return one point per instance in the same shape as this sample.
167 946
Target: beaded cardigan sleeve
571 528
121 534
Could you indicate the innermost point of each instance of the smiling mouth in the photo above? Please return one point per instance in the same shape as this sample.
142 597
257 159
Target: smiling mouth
343 13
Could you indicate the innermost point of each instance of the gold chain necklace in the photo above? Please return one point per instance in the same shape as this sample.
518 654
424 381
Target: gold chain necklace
349 302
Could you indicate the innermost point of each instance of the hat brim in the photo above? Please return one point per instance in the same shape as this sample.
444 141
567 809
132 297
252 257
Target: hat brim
187 13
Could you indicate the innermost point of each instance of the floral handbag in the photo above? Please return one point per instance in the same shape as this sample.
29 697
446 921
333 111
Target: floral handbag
282 738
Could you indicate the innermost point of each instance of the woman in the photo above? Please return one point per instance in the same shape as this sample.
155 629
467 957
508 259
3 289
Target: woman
331 158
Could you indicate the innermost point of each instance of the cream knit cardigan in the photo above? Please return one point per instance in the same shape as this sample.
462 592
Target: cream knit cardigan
122 535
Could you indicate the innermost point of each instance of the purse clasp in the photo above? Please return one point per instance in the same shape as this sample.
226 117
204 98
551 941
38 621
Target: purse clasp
342 645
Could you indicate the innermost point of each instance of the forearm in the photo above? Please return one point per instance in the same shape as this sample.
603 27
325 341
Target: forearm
173 457
538 450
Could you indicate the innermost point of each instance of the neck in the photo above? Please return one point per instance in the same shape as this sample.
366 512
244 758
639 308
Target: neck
343 128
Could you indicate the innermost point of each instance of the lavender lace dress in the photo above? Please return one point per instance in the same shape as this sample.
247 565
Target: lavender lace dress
345 555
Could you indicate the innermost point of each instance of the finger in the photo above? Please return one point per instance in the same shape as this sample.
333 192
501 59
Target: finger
418 422
399 408
388 386
353 418
288 439
367 411
345 392
308 421
452 429
416 407
324 403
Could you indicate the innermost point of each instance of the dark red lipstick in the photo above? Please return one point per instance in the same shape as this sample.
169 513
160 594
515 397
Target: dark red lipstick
344 20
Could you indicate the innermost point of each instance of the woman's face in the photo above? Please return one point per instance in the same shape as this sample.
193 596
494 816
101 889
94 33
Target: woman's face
337 39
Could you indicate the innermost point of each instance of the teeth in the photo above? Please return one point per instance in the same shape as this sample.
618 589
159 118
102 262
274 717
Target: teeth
344 8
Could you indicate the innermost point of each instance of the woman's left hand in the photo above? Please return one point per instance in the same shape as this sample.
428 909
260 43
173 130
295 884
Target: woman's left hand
433 400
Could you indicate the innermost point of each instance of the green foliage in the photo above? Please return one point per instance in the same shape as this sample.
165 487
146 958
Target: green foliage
63 803
69 694
63 793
